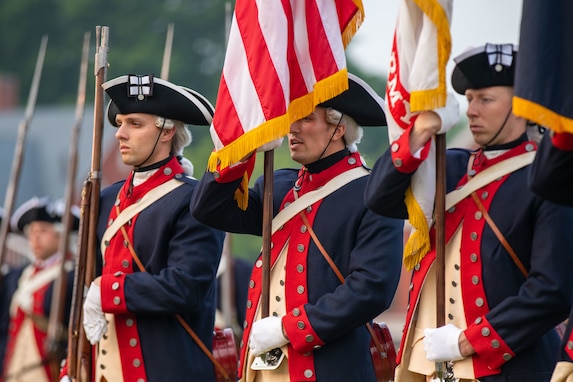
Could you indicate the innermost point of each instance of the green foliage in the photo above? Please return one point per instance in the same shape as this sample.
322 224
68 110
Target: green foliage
137 32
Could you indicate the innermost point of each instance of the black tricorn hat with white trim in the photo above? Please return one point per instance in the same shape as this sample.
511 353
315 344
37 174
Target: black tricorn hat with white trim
43 209
484 66
150 95
360 102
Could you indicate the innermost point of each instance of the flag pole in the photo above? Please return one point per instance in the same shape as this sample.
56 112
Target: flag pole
443 369
267 228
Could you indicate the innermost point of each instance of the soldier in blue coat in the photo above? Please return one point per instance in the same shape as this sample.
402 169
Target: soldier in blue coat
507 250
27 291
551 177
157 262
317 322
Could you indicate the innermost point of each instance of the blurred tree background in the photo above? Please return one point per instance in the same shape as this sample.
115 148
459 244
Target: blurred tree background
137 33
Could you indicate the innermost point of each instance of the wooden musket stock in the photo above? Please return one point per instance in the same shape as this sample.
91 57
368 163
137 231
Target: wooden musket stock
79 348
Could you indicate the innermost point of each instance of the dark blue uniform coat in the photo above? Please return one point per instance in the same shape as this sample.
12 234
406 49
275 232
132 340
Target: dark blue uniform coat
551 177
366 248
520 342
181 257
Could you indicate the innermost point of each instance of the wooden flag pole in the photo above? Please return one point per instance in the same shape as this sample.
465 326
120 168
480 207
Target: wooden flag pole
440 265
267 231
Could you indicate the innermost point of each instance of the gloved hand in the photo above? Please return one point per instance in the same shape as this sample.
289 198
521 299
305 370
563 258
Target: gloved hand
441 344
63 377
266 335
94 320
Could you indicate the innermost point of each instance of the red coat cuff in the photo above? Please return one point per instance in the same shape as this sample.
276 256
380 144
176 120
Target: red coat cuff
299 331
569 346
235 171
492 351
112 293
403 160
562 141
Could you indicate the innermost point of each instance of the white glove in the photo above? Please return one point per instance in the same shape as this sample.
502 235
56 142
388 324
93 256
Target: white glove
65 378
449 114
94 320
267 334
441 344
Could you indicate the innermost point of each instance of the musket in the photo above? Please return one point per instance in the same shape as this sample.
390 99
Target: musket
56 338
444 370
19 153
167 53
79 349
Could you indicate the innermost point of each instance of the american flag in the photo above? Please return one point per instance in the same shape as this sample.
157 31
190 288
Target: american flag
283 58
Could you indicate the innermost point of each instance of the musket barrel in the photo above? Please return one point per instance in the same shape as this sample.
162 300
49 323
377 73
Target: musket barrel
80 355
55 344
19 151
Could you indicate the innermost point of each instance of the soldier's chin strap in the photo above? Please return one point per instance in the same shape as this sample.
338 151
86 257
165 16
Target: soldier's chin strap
501 128
135 168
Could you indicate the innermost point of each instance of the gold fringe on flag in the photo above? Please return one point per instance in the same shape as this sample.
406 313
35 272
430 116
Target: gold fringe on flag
418 244
275 128
435 98
542 116
355 23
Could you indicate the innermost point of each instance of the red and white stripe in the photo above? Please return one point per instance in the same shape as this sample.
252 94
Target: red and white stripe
277 52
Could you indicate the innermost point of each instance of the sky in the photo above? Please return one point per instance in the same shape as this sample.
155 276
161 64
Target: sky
474 22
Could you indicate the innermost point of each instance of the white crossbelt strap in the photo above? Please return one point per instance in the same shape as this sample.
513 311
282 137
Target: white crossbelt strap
137 207
487 176
313 196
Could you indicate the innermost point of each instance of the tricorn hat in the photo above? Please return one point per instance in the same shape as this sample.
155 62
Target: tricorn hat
43 209
150 95
484 66
360 102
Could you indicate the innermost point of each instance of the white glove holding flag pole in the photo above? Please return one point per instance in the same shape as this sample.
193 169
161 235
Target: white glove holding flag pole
94 320
442 344
267 334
